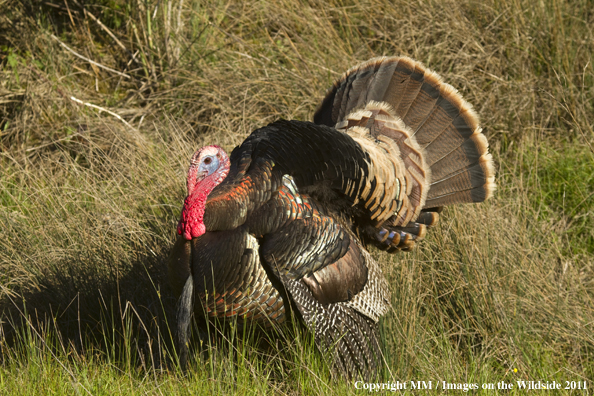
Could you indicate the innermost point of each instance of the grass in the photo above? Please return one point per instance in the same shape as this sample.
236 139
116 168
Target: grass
89 201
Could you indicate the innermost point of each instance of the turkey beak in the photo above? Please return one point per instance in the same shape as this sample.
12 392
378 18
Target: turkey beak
201 176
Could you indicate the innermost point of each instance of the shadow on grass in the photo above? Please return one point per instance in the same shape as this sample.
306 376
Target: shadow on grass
118 316
129 322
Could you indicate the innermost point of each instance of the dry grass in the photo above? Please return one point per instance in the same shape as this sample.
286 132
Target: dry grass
88 202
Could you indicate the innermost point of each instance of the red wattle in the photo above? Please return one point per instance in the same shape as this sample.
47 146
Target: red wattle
191 224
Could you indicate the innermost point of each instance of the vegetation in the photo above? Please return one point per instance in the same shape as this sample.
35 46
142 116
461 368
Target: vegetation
102 105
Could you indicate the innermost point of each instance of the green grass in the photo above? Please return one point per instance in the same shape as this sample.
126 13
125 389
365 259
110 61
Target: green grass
565 181
89 202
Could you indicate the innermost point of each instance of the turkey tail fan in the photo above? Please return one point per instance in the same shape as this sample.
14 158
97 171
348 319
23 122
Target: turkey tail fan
185 307
433 113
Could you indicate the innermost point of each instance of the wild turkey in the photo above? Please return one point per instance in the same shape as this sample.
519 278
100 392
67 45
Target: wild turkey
284 223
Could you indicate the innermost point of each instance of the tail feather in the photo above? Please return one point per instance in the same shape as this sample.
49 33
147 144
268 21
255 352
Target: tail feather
377 121
437 132
379 87
474 183
398 82
477 194
450 107
471 177
392 238
468 153
428 218
353 94
443 144
414 83
425 101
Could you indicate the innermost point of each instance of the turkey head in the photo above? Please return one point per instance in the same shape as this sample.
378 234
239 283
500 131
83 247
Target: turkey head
208 168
